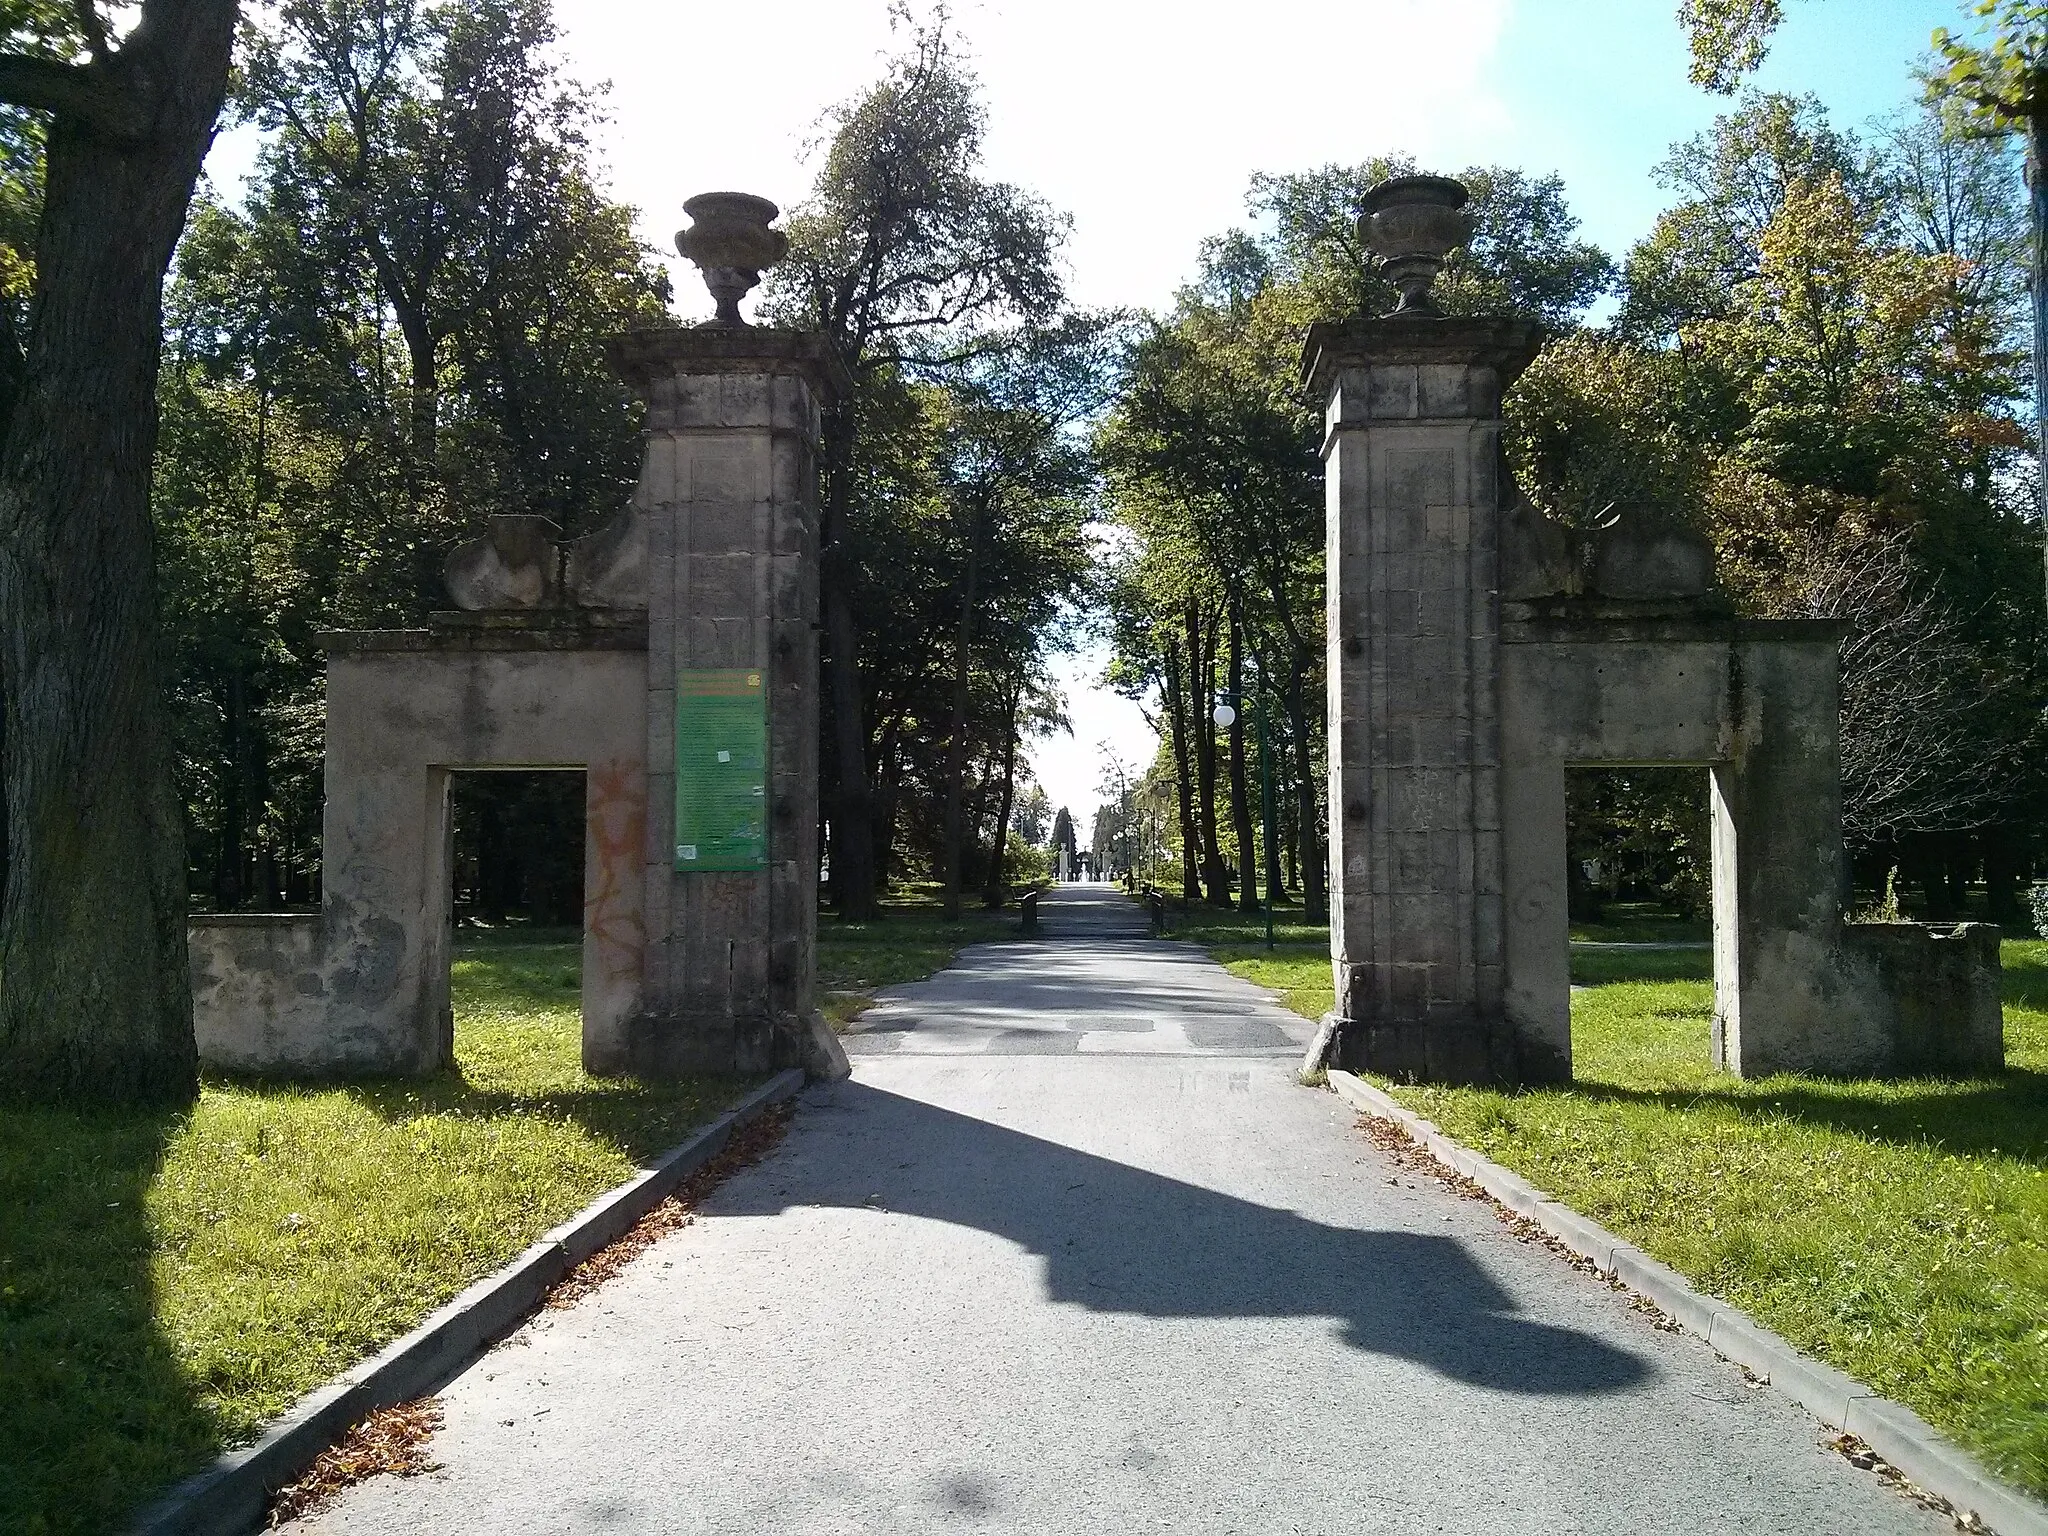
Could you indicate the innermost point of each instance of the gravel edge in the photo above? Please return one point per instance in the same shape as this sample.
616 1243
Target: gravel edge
232 1494
1890 1429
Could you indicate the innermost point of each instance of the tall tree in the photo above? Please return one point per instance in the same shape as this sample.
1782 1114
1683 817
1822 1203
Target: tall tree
911 263
94 996
290 496
1014 476
2005 81
1240 793
1728 38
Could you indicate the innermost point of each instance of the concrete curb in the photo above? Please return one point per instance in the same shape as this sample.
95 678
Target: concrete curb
1890 1429
233 1493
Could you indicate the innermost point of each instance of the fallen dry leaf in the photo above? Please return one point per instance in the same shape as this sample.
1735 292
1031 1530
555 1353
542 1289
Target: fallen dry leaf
392 1439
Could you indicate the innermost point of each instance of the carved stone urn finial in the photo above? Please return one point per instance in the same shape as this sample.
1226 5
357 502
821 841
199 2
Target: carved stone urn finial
730 241
1412 223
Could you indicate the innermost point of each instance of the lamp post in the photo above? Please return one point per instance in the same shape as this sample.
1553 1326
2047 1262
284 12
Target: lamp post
1225 716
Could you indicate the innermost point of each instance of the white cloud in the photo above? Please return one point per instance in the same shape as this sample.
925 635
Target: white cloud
1144 120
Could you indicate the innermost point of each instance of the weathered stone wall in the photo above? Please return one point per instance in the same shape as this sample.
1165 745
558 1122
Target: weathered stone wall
1412 450
713 567
1477 651
1752 704
728 498
1575 695
1942 985
363 987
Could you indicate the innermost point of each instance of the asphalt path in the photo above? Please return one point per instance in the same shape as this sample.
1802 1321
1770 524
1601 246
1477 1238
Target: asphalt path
1072 1252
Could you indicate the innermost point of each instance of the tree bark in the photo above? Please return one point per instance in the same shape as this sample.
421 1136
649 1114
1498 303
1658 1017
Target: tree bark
1176 717
853 833
1240 793
2037 209
1276 885
1315 901
956 734
95 1001
1202 659
995 889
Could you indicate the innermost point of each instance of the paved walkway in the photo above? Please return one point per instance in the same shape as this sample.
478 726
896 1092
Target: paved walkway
1071 1253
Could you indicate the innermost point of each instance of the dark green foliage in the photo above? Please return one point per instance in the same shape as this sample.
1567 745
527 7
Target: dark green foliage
1635 835
426 182
954 500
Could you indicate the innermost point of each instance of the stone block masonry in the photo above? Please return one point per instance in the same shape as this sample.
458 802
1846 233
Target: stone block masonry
1477 650
569 656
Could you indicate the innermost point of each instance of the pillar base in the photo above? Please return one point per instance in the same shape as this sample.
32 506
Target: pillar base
1455 1050
713 1044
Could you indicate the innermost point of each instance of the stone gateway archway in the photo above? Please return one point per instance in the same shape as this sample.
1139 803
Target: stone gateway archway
1477 649
672 656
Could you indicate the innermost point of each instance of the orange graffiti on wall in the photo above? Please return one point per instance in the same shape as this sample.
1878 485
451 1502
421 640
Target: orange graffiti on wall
617 814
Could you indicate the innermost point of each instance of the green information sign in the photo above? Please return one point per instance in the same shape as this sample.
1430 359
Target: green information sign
721 771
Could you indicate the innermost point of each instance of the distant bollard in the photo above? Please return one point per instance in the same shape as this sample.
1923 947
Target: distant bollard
1029 907
1155 905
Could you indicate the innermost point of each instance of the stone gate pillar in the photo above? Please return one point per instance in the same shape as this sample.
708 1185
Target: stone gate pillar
1413 484
727 506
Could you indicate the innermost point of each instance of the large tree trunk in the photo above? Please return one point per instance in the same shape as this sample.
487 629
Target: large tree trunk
2037 208
423 394
887 780
956 734
1240 792
1183 788
853 834
995 887
1202 658
95 1001
1315 901
1269 794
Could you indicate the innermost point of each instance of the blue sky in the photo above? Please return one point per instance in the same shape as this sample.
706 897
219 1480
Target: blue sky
1596 89
1145 119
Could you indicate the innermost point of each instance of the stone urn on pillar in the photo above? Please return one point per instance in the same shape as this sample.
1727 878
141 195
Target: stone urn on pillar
730 240
1411 224
1412 460
727 515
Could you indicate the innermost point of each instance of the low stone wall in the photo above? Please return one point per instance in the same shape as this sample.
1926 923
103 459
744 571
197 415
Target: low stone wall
248 974
1939 989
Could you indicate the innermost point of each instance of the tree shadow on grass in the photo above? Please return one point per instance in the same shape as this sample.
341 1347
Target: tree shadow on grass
2005 1116
1117 1238
94 1405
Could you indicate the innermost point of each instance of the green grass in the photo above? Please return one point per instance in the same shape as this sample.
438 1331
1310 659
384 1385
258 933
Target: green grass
1897 1230
1642 923
168 1282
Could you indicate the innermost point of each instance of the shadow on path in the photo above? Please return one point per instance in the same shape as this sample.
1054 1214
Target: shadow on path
1119 1239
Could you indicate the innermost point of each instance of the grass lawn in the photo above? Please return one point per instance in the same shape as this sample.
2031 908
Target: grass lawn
1897 1230
1623 922
170 1281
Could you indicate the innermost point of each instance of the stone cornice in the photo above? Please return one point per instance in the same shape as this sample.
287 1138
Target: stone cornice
1499 342
536 629
640 356
1596 622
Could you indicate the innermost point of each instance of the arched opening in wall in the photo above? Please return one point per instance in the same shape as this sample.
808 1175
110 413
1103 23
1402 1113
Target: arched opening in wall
1639 877
516 873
